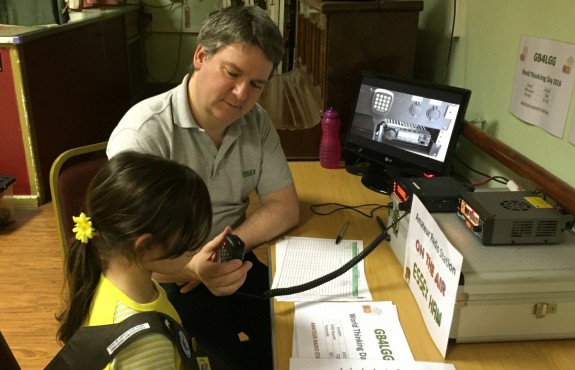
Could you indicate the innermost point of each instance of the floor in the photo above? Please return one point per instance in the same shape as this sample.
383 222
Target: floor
30 285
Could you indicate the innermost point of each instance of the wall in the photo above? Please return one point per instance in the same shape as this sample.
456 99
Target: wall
172 29
171 34
484 60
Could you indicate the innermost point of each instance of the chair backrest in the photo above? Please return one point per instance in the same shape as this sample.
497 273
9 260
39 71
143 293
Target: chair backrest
70 176
7 359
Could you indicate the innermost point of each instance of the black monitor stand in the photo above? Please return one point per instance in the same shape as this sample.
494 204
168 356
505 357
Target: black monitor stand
378 178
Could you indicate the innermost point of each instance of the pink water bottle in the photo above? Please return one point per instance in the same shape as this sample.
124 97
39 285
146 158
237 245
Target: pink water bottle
329 146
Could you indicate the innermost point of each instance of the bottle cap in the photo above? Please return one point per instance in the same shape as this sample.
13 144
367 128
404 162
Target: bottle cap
330 112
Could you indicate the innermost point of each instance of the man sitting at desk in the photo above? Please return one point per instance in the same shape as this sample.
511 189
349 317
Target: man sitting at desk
211 122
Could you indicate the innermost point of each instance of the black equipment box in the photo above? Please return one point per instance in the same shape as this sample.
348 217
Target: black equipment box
438 194
511 217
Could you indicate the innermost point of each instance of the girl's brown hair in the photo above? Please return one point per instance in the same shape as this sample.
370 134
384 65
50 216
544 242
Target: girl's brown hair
134 194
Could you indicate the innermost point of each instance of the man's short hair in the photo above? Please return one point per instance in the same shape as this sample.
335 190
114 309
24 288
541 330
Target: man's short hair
246 24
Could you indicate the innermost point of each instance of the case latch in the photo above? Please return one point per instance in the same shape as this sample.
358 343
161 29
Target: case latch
541 310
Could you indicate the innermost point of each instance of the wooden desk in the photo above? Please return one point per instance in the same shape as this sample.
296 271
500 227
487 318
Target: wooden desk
316 185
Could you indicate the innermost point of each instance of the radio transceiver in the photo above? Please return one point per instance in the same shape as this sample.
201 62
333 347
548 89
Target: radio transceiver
438 194
511 217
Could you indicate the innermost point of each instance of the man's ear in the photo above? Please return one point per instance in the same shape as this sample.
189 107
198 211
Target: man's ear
199 57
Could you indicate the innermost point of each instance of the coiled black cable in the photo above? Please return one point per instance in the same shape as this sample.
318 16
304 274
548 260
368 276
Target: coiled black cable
334 274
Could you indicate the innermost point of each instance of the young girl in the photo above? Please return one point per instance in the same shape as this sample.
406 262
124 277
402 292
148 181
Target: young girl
144 215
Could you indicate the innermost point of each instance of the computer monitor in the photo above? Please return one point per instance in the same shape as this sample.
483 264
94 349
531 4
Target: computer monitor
404 127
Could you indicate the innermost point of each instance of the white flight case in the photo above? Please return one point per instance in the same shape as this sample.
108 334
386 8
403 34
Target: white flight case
506 293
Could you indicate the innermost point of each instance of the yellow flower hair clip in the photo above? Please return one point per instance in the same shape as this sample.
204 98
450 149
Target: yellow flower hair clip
83 228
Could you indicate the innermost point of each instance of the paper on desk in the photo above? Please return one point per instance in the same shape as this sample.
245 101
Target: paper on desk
300 260
322 364
349 330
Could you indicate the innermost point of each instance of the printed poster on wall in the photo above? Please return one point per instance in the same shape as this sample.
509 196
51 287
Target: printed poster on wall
543 83
432 269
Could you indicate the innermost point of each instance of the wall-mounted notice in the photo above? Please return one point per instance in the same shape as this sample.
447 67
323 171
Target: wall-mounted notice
543 83
432 269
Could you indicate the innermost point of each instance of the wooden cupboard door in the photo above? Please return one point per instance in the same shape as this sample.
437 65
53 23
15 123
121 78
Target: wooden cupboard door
380 41
78 88
12 155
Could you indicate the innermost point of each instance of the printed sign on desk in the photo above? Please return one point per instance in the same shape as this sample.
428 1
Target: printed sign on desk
349 330
432 269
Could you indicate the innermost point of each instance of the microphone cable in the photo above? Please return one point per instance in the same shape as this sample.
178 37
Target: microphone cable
330 276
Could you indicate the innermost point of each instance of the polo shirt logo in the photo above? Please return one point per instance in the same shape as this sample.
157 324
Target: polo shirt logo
248 173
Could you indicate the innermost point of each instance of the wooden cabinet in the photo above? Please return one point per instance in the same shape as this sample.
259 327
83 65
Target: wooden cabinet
335 41
12 153
71 85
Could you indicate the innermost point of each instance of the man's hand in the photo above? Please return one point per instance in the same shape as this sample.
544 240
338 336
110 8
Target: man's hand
219 278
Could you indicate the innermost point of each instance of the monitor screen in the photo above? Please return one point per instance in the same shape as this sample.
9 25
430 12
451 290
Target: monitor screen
405 126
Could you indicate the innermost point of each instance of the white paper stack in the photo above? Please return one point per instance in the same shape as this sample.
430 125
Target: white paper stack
352 335
301 260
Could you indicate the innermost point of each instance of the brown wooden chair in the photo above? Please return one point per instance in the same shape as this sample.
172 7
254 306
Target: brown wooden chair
7 359
70 176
